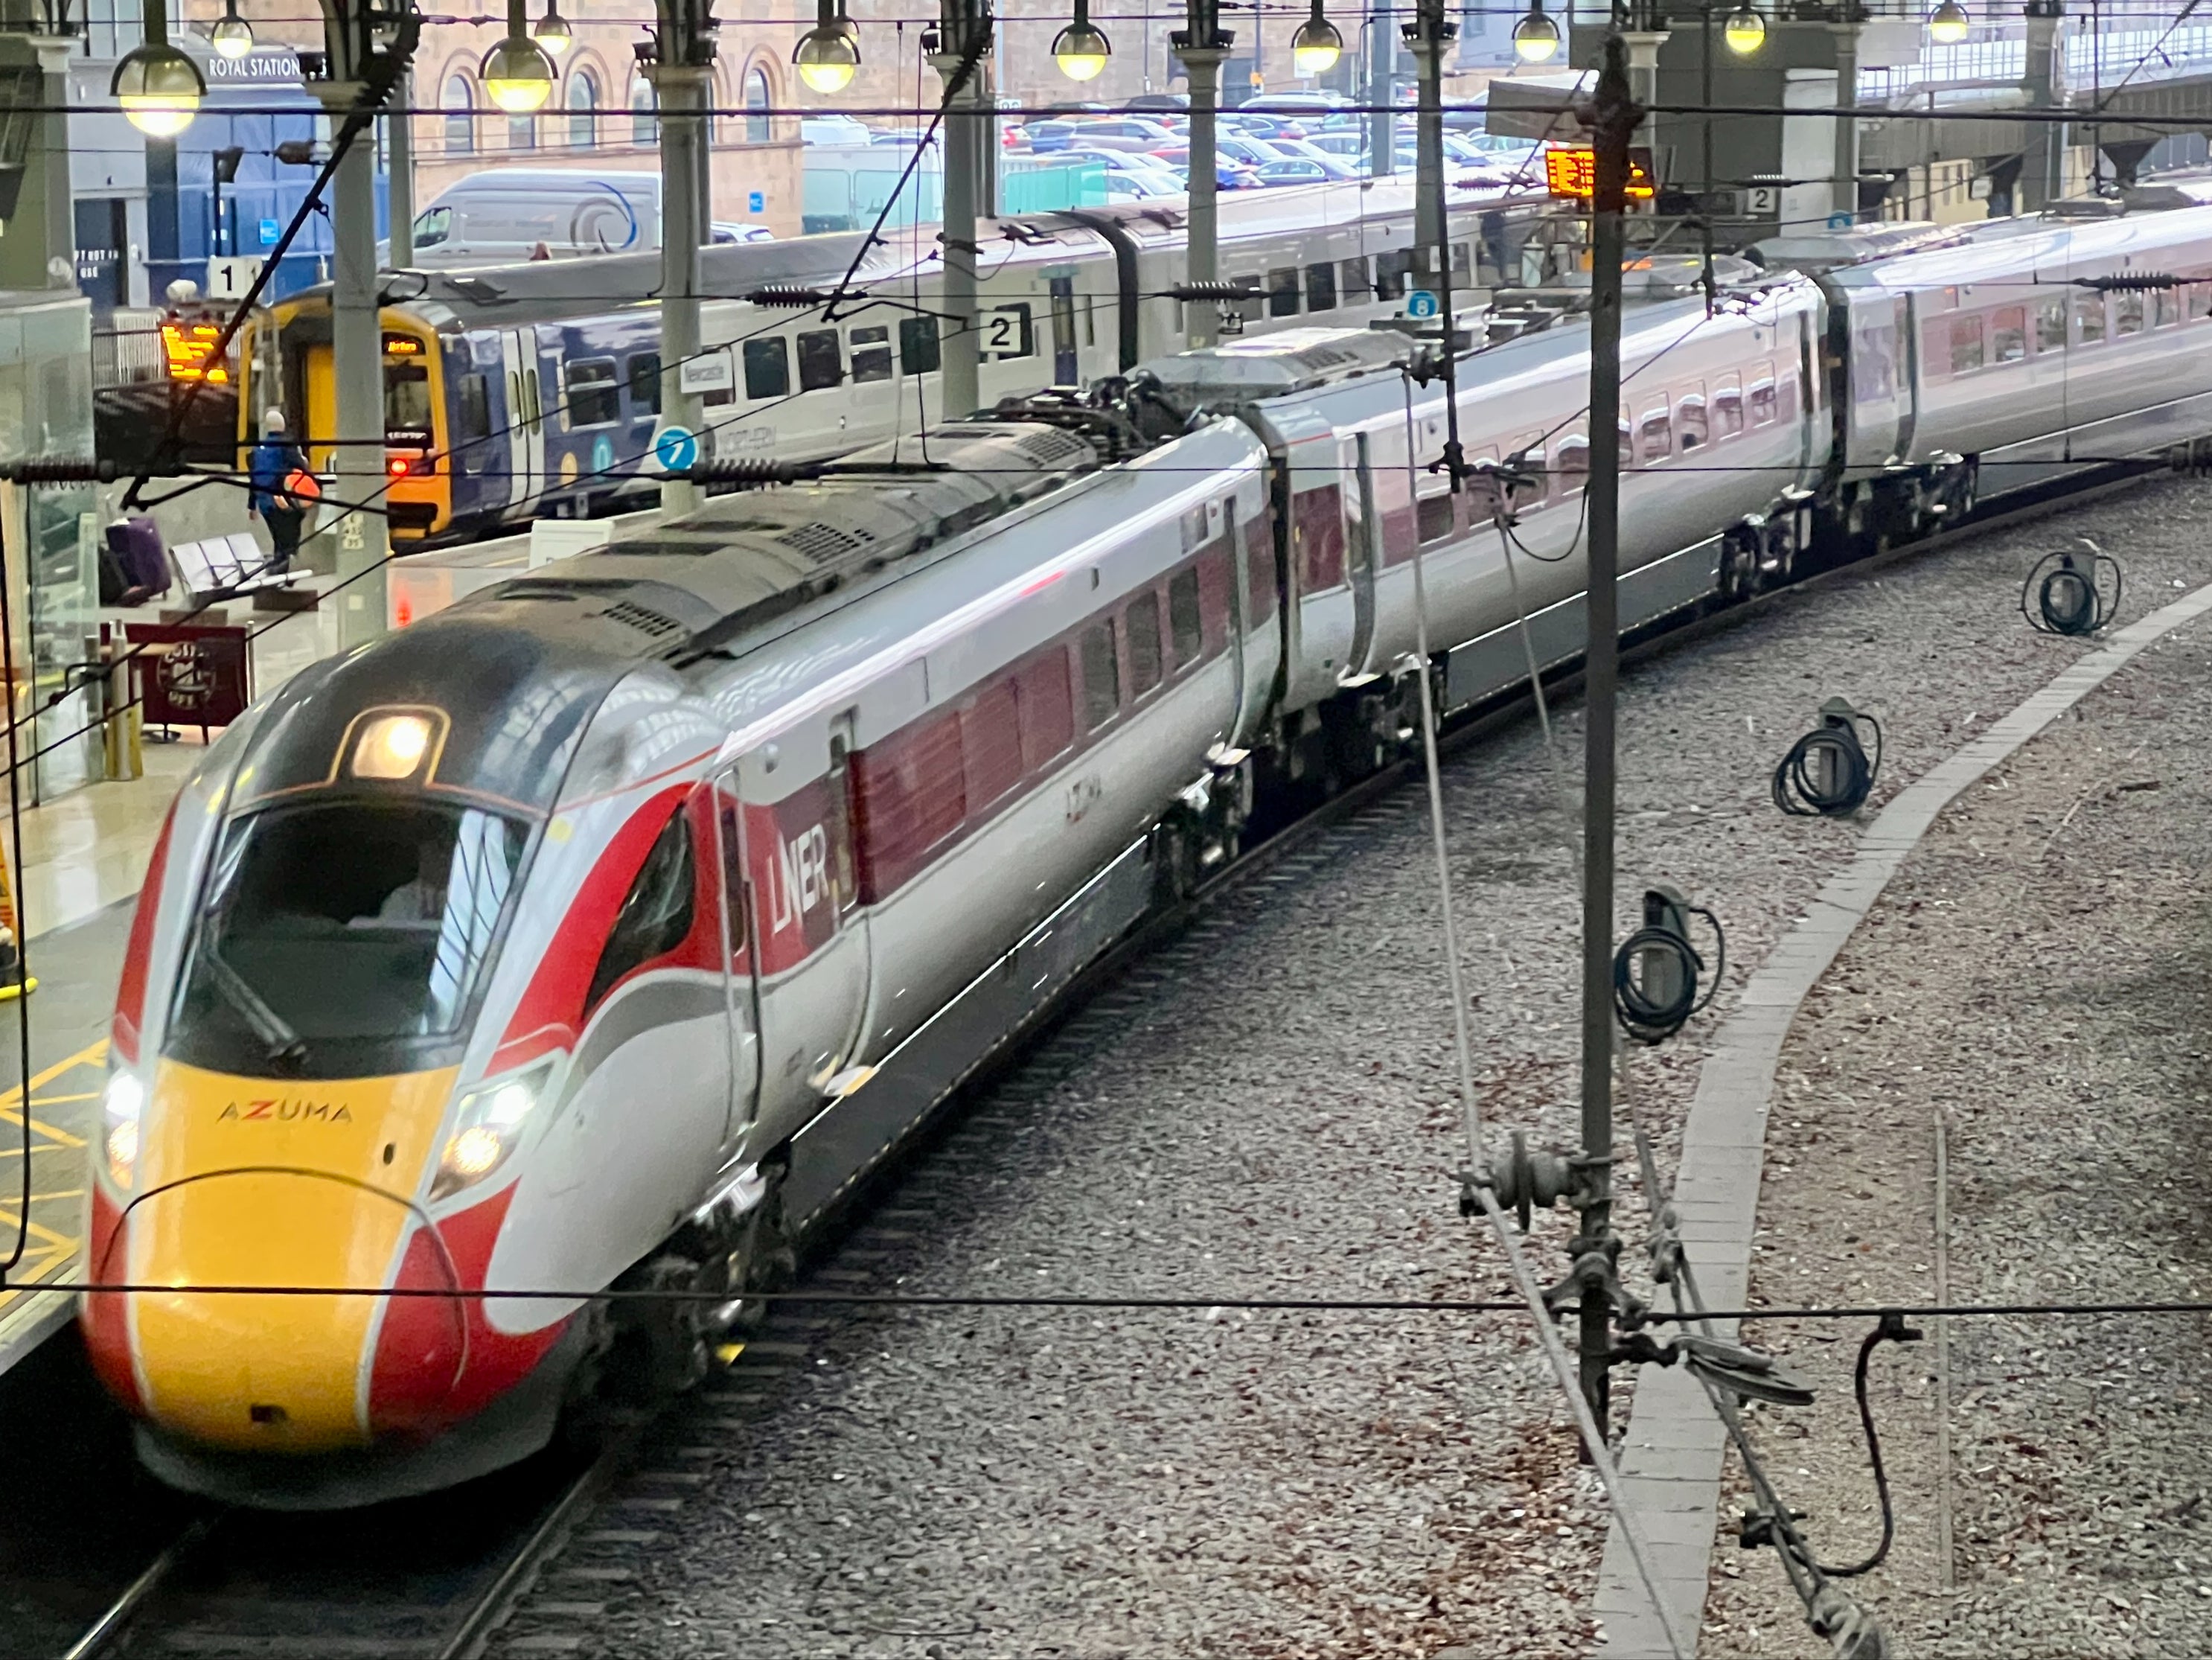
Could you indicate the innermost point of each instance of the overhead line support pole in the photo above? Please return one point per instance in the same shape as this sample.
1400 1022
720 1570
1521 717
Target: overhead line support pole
683 65
1382 119
1428 35
1203 45
1612 116
967 122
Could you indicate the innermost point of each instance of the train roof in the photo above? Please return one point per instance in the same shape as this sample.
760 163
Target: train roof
2006 247
744 561
1278 364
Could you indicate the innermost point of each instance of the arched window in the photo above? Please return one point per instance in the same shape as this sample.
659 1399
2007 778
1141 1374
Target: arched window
522 132
757 103
460 117
644 113
583 111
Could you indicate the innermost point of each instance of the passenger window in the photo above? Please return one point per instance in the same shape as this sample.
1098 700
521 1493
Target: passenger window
1320 287
655 914
1690 421
991 743
1353 280
645 381
1142 620
725 394
2088 319
1966 353
473 420
1185 622
1462 258
2127 314
2008 335
767 369
1283 291
2050 327
1390 269
821 360
594 399
1658 435
1728 409
1434 514
1762 403
1102 677
1008 333
918 351
1046 711
872 355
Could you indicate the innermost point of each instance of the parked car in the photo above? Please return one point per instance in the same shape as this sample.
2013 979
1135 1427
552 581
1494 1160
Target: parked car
1294 170
726 233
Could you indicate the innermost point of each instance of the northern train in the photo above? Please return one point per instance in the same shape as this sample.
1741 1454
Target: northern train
522 391
603 929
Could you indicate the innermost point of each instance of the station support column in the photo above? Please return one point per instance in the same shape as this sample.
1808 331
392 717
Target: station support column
1428 36
350 32
2043 173
682 90
1203 45
963 38
399 159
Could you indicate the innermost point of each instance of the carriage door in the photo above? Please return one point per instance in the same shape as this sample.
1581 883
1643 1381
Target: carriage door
1064 370
526 416
740 987
1361 556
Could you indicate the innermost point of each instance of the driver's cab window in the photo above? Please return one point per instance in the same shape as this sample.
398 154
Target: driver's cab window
655 914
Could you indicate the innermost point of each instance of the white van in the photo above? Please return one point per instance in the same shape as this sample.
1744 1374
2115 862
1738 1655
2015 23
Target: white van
504 215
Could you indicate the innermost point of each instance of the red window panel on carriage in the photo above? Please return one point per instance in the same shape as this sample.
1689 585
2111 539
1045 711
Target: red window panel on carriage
1216 596
910 795
1318 515
1260 561
1046 708
991 743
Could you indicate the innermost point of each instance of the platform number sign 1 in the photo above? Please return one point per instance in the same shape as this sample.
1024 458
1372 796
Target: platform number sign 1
231 276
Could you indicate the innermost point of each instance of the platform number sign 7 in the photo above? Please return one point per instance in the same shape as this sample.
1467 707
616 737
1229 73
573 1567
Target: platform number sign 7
1008 333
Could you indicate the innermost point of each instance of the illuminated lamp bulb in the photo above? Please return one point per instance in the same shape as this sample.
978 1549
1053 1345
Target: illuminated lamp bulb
1745 32
1081 51
1317 45
233 36
1949 24
392 747
828 57
1535 37
552 32
159 89
518 76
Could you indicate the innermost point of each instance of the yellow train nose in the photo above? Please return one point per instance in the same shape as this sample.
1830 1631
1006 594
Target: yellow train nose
287 1371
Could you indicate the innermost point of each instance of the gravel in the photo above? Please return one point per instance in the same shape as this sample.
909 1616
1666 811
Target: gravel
2034 981
1267 1107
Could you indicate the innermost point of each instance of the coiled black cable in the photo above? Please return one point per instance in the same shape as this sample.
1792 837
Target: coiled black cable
1796 789
1649 1019
1893 1329
2069 589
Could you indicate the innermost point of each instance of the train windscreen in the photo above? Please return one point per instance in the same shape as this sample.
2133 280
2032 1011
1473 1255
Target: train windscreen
345 938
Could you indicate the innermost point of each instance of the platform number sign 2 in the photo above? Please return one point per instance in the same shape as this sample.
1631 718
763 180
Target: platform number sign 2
1006 333
1760 201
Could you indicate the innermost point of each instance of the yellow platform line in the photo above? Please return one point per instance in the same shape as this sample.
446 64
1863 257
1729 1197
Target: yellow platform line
92 1055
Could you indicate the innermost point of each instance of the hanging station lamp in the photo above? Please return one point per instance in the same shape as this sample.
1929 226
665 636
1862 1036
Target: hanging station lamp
828 55
232 36
1081 49
518 76
553 33
1317 45
1949 24
159 87
1535 37
1745 32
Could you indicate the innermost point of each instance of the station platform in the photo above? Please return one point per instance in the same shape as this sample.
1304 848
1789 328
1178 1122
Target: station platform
85 853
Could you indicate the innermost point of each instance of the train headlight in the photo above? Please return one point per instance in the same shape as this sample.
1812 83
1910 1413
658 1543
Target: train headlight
487 1128
121 1105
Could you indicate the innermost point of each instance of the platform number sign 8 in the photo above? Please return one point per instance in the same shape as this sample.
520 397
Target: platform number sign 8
1007 333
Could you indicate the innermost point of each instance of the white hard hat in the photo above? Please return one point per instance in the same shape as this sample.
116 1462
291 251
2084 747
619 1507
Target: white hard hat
273 420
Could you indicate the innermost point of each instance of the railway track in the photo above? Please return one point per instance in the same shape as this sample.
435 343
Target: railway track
436 1578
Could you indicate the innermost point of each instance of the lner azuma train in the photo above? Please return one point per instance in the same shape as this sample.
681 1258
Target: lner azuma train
532 391
603 930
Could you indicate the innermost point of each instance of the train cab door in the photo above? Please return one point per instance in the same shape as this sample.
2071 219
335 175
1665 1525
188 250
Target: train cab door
1362 554
809 959
1066 369
526 416
741 985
